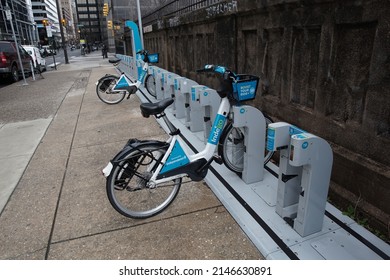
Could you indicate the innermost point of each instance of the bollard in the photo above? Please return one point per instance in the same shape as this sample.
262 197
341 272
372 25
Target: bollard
178 105
289 177
160 81
194 117
253 122
169 88
304 176
186 87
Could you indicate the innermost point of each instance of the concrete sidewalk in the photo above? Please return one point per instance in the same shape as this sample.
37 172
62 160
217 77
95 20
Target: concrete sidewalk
59 208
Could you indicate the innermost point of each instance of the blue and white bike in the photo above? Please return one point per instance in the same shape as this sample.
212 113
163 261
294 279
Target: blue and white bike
112 89
144 178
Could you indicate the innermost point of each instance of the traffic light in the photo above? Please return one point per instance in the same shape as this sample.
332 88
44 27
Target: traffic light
105 9
109 24
45 22
63 22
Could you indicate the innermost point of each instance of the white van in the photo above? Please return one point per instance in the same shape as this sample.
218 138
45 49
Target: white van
38 60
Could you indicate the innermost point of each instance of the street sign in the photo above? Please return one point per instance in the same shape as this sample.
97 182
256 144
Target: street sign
8 14
48 31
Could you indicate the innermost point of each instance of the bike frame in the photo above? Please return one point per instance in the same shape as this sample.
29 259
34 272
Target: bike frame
178 155
124 82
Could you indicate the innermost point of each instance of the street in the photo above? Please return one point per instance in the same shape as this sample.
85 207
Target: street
59 58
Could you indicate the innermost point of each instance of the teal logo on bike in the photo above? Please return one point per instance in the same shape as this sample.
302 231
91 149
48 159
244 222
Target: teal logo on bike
305 145
300 136
176 159
205 93
270 139
242 110
142 76
193 94
122 83
217 128
295 130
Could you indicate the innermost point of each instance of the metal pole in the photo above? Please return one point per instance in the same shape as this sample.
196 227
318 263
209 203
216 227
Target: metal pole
141 30
9 17
62 32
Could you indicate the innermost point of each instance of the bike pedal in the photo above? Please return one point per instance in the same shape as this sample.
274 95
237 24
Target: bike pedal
218 159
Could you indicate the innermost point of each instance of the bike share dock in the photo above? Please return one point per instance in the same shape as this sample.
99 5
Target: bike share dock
283 209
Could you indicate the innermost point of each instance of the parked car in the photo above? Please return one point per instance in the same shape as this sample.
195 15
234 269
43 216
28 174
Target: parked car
38 61
9 62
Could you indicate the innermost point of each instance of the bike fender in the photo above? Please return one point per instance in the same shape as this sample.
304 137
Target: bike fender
135 143
108 75
130 145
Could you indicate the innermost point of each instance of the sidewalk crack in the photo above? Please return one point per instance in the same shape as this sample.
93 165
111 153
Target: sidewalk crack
65 173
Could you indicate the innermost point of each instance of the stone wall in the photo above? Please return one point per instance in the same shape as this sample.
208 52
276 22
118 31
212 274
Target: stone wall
325 67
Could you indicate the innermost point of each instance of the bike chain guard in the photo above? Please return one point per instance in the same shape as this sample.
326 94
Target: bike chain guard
131 90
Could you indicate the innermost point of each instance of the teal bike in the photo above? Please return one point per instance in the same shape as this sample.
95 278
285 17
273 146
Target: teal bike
144 178
112 89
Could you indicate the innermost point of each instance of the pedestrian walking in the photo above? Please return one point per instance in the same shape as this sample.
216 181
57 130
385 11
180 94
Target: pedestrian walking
104 51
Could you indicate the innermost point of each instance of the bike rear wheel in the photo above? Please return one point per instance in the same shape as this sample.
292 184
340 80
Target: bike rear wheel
105 93
127 187
232 146
150 85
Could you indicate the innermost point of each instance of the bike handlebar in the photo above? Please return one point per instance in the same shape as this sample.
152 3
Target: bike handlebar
225 87
142 52
145 55
222 70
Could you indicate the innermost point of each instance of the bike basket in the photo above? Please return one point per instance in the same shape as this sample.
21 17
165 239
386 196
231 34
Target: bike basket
153 58
245 87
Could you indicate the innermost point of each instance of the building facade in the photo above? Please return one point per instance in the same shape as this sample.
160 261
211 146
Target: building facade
67 21
36 22
124 10
89 17
22 20
46 17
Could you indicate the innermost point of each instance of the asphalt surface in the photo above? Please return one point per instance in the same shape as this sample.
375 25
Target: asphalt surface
55 137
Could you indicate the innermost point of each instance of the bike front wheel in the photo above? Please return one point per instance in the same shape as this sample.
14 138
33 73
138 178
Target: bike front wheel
105 93
127 185
150 85
231 147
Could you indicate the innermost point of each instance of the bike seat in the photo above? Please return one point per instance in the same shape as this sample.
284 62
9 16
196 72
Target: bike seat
114 60
156 108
